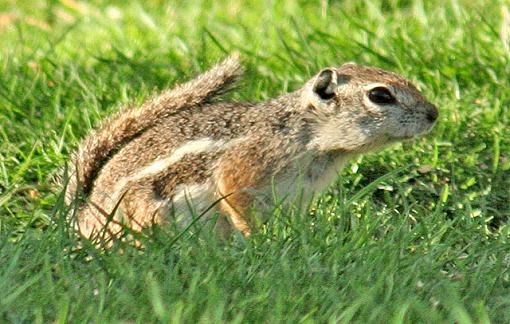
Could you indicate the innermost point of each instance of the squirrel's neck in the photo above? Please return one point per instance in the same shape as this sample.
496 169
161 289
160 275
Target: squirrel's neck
293 101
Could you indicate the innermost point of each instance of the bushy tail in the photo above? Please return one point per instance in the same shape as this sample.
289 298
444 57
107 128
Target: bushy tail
98 147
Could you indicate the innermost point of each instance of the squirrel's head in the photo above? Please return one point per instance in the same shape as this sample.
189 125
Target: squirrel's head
358 108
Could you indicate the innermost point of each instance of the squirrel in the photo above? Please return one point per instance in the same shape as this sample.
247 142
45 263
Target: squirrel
185 151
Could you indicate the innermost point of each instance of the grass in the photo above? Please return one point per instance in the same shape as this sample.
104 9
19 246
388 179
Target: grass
429 243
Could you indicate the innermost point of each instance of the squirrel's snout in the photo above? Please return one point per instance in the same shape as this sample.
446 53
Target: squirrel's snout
432 113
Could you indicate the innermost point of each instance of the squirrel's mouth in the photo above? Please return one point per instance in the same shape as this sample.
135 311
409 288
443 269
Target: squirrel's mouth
411 135
424 129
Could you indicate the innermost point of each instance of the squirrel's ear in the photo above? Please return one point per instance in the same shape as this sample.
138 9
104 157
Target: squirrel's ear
327 81
325 84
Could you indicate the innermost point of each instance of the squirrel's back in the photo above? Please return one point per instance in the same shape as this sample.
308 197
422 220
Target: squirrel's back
115 132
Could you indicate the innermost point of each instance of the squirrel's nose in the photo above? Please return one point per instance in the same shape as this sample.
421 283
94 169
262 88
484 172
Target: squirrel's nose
432 113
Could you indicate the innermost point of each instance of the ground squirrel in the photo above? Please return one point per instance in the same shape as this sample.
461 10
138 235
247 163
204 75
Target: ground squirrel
185 149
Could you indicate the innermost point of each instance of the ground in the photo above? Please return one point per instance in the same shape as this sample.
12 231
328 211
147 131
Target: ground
419 232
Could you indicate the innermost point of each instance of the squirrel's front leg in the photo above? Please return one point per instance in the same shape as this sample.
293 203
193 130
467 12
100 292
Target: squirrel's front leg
235 206
237 177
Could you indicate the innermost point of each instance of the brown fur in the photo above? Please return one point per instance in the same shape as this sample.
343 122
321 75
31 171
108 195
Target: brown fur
180 150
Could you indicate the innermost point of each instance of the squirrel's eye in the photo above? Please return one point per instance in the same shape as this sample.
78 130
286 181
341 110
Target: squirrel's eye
381 95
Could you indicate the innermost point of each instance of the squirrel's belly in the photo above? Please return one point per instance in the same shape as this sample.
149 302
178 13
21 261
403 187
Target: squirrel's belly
189 202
